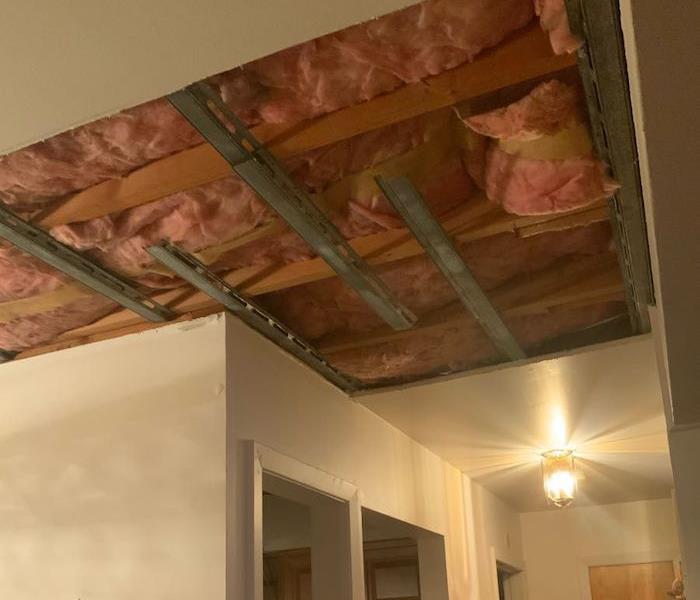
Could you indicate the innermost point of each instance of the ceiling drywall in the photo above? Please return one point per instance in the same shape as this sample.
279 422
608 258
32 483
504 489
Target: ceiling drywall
604 401
67 64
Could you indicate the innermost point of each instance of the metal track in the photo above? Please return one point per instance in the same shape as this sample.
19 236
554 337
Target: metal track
604 73
41 245
410 205
6 356
610 329
206 111
194 272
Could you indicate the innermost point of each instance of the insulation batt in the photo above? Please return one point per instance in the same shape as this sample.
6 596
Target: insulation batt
539 187
85 156
208 215
195 218
525 184
226 209
545 110
310 79
458 348
305 81
28 332
361 62
330 307
317 168
22 276
555 22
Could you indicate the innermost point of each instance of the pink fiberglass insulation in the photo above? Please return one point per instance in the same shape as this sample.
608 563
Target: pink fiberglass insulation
317 168
525 184
199 218
458 348
226 209
555 22
22 276
305 81
547 109
361 62
450 191
330 307
28 332
105 149
310 79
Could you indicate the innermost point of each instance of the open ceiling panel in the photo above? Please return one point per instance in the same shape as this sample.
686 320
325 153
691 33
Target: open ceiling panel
480 105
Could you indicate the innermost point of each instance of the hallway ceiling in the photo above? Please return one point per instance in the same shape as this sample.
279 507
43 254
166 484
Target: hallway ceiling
605 402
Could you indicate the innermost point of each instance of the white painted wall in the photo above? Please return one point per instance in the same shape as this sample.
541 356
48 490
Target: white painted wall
665 84
559 545
112 469
685 449
68 64
283 405
113 473
494 533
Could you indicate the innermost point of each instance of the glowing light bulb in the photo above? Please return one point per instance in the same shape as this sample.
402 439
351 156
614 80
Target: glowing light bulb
559 477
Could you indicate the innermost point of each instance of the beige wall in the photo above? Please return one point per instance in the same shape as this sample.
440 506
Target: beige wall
112 469
665 84
113 465
560 545
283 405
493 529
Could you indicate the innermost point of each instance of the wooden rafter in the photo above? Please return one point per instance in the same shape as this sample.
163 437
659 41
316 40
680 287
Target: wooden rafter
525 56
475 220
567 283
578 283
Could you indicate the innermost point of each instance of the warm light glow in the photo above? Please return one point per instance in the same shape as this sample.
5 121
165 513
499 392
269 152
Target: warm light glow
557 428
559 477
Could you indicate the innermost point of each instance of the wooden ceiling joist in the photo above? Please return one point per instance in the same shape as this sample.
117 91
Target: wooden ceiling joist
526 55
565 283
579 283
475 220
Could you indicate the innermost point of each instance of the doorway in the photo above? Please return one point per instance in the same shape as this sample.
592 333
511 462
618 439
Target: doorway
306 546
509 580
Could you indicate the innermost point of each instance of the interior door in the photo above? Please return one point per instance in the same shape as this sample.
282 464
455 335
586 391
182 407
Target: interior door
641 581
391 570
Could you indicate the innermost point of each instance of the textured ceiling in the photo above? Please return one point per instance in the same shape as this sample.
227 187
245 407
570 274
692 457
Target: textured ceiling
605 402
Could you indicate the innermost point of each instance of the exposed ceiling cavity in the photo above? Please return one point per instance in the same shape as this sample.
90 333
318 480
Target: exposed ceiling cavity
262 181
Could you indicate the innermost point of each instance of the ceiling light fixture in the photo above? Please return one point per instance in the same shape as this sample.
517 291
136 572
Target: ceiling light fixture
559 477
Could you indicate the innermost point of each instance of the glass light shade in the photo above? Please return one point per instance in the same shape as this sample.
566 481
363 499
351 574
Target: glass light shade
559 477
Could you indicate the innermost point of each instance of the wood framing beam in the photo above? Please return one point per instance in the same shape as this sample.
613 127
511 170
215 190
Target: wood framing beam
474 220
302 272
443 252
578 283
525 55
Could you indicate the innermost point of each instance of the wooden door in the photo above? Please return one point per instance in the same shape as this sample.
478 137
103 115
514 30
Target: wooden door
391 570
642 581
287 575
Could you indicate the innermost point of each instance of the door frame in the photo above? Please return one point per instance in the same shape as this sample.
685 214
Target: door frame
266 460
